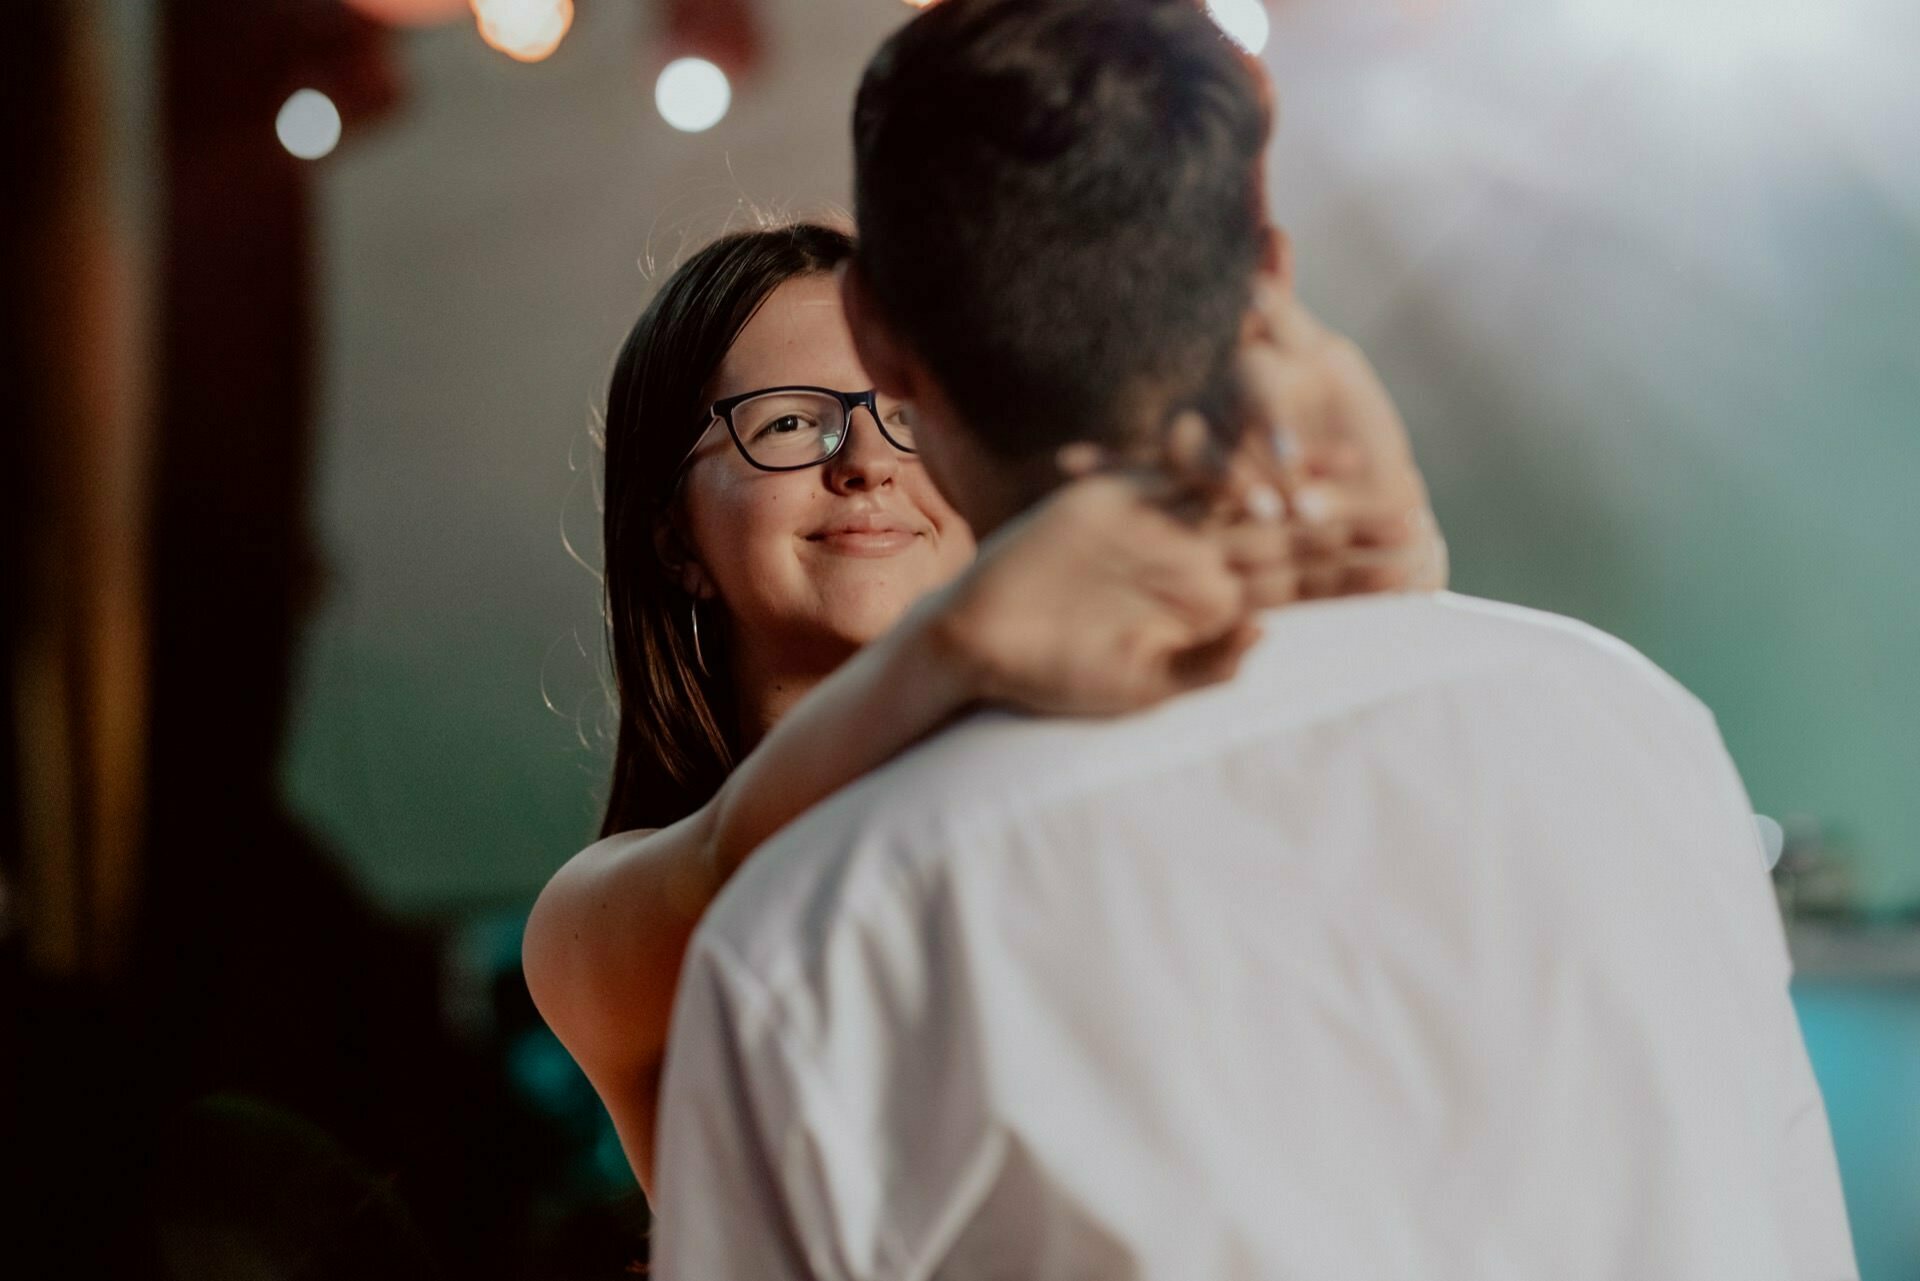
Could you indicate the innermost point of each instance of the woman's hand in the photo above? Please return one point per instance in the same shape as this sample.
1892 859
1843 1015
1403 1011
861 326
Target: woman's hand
1104 598
1130 585
1327 433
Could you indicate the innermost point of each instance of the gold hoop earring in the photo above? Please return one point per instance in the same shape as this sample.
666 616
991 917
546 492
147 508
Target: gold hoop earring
694 611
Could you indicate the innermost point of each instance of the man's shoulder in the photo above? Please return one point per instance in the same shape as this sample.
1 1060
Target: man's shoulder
1377 647
884 843
856 853
1364 657
1421 640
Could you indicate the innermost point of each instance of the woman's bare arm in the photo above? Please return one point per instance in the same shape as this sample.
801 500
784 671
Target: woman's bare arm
605 941
1138 607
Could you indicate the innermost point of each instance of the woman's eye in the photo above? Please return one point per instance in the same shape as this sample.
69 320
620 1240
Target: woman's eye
786 425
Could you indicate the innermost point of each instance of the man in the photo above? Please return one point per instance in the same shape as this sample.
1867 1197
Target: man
1437 944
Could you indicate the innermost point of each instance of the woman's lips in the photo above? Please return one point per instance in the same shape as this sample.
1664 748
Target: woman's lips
864 542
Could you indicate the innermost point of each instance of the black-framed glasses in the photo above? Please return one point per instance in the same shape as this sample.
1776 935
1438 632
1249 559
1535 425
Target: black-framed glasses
792 428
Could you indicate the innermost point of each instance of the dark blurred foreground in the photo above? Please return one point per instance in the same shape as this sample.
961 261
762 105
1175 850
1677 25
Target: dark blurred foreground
217 1060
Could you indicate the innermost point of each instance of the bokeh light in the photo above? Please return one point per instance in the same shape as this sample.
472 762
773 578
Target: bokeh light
693 95
410 13
1245 20
526 30
308 124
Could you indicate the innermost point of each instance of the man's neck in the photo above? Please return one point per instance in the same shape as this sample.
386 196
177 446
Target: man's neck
1016 488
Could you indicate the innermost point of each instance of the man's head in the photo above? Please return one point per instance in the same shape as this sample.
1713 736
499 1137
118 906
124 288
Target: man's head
1060 218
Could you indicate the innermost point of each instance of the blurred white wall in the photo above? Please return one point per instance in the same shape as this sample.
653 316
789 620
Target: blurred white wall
484 253
1644 280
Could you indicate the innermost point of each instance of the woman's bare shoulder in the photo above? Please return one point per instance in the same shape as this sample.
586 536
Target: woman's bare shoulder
554 926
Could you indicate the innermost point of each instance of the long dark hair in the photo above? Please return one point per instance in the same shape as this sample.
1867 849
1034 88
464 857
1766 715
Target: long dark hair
678 736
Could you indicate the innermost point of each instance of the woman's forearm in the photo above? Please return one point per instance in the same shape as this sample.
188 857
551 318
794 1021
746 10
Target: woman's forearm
891 694
605 942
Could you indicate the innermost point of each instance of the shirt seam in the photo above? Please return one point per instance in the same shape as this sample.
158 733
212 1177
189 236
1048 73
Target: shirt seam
959 829
772 1018
901 880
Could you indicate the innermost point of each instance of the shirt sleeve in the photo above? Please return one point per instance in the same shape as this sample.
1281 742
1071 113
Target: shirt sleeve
1813 1213
832 1129
720 1210
1808 1203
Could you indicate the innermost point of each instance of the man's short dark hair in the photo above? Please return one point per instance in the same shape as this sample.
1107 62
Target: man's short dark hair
1059 208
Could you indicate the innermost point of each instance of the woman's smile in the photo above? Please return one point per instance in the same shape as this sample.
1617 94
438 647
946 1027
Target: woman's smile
866 535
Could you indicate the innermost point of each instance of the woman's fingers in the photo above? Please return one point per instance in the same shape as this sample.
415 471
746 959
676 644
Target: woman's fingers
1281 318
1189 453
1202 476
1386 530
1272 587
1204 590
1255 546
1254 487
1211 662
1177 545
1419 565
1275 394
1081 458
1322 498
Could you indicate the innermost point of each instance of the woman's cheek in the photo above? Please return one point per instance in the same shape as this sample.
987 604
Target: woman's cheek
721 525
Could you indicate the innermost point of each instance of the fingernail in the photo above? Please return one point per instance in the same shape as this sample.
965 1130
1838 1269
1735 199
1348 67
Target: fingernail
1079 458
1264 503
1313 504
1189 437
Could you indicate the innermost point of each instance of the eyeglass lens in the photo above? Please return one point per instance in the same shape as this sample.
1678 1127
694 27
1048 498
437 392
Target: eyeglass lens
796 428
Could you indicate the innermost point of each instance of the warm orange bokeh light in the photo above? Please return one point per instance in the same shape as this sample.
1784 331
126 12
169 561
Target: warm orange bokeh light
528 30
410 13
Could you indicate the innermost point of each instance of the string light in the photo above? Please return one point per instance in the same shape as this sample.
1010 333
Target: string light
693 94
410 13
526 30
1244 20
308 124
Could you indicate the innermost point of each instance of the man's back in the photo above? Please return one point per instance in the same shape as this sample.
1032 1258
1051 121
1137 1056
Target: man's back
1438 944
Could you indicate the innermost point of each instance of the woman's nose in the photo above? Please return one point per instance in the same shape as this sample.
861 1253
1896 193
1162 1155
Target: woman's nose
867 461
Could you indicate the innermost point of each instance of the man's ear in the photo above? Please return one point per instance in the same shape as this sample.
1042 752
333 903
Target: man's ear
875 341
1276 258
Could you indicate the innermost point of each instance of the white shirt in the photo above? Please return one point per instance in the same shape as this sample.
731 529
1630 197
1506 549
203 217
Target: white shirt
1439 944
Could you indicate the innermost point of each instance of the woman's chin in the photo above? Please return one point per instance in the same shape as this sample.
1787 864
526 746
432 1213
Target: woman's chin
864 615
858 600
862 627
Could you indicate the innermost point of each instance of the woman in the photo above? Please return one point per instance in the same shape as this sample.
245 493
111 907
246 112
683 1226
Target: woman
768 533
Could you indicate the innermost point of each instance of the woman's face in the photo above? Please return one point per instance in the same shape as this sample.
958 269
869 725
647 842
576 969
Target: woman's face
813 562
